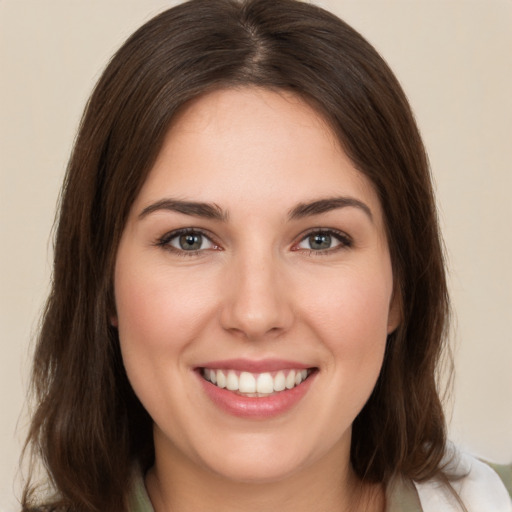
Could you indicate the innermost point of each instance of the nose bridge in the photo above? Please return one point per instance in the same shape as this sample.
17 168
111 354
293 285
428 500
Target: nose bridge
257 302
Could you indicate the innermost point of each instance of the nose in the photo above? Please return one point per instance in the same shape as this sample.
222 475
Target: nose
256 300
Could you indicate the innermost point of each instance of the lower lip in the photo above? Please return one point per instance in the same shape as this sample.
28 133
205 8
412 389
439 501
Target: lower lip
256 407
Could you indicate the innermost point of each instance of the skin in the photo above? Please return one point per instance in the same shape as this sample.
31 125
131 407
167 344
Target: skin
256 289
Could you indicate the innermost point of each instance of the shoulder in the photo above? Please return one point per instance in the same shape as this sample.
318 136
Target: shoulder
476 483
505 473
138 497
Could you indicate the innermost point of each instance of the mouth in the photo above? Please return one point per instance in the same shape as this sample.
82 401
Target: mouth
256 389
256 385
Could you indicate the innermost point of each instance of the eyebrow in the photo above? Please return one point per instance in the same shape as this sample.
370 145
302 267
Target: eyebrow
325 205
215 212
205 210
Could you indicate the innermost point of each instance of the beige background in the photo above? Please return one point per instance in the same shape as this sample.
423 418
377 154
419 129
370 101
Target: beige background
454 61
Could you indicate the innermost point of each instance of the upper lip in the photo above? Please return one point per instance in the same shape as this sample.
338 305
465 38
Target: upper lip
255 366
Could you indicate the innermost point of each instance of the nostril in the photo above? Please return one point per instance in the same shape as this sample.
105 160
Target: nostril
254 308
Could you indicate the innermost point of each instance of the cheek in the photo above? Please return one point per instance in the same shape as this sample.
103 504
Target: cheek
350 316
353 306
159 317
158 310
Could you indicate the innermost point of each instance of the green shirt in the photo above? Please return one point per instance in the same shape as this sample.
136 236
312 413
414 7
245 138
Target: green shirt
505 473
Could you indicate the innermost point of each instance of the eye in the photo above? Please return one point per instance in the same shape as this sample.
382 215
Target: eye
324 241
186 241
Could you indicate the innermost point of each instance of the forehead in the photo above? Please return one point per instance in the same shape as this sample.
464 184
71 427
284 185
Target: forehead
213 109
259 146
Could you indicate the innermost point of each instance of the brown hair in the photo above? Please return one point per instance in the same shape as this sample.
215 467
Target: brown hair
89 428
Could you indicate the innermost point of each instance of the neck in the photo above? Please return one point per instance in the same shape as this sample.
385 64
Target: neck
176 484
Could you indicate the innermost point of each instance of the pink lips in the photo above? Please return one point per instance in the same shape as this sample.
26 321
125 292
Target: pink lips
255 407
247 365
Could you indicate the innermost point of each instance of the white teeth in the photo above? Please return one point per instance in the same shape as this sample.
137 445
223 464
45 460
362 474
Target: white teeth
232 381
265 383
247 383
255 384
280 381
290 380
221 379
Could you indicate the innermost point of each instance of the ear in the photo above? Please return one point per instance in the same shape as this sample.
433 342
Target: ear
111 309
114 321
395 311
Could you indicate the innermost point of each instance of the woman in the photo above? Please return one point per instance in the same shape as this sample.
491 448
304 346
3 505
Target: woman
243 314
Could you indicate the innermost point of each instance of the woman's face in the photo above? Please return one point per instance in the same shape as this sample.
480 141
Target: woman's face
254 257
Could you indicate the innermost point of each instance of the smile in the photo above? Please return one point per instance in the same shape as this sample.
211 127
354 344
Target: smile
256 384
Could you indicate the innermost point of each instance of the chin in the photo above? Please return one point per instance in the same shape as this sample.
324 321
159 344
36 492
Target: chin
257 471
266 457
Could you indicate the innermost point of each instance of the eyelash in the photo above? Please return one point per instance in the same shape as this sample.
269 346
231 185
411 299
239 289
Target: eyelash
340 236
343 238
165 241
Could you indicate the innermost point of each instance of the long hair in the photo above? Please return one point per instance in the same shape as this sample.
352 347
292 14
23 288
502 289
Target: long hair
88 428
